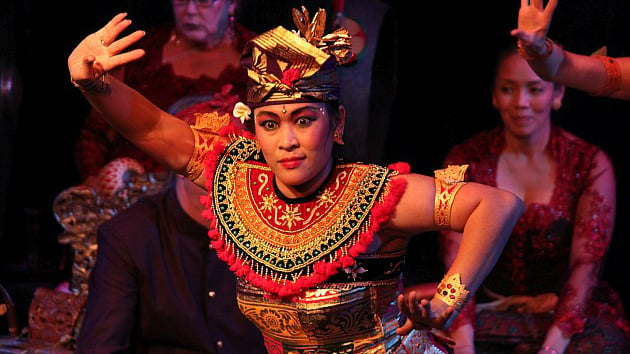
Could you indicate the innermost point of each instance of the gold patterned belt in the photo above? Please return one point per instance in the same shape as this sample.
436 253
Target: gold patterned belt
356 309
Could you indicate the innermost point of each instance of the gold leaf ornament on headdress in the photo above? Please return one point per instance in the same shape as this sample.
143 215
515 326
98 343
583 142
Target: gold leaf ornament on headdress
311 31
338 43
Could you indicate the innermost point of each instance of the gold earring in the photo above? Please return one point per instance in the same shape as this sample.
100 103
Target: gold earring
338 137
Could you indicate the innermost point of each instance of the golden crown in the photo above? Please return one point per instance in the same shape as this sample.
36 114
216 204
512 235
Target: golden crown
287 65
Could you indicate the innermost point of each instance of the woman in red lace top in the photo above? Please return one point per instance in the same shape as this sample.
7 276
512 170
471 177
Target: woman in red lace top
193 61
545 293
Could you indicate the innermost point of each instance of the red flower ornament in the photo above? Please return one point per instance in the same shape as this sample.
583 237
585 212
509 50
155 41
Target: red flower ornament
290 76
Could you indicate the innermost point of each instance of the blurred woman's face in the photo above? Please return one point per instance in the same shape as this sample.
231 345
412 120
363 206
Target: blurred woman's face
523 99
297 141
203 21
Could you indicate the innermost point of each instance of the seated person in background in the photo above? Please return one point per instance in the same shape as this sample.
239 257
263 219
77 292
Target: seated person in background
158 287
194 59
596 74
545 290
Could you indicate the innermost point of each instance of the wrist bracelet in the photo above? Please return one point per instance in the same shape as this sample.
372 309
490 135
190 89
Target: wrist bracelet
98 85
453 292
548 50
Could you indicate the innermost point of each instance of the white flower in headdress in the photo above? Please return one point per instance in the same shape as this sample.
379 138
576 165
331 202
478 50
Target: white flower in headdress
242 111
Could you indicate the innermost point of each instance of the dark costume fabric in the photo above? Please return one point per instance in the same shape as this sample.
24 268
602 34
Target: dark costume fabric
99 144
158 288
306 278
535 260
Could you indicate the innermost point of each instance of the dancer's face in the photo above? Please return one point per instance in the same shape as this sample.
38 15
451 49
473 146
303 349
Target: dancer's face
297 141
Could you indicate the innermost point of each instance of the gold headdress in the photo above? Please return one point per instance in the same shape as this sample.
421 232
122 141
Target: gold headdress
286 66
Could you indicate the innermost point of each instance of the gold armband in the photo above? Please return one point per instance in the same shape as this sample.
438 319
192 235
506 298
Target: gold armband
453 292
613 76
205 132
448 181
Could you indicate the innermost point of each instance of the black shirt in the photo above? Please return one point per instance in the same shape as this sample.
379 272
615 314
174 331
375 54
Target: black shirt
157 287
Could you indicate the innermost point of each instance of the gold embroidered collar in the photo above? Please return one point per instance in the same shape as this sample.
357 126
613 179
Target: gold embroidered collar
279 243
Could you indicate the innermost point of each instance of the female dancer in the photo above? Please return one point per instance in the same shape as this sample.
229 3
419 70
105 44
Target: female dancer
317 243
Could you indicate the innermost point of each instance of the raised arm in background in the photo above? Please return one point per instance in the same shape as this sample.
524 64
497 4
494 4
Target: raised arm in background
594 74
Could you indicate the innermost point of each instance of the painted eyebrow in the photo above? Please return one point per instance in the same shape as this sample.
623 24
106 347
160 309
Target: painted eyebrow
294 113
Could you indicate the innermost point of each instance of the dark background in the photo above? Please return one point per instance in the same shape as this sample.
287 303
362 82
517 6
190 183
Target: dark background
445 62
